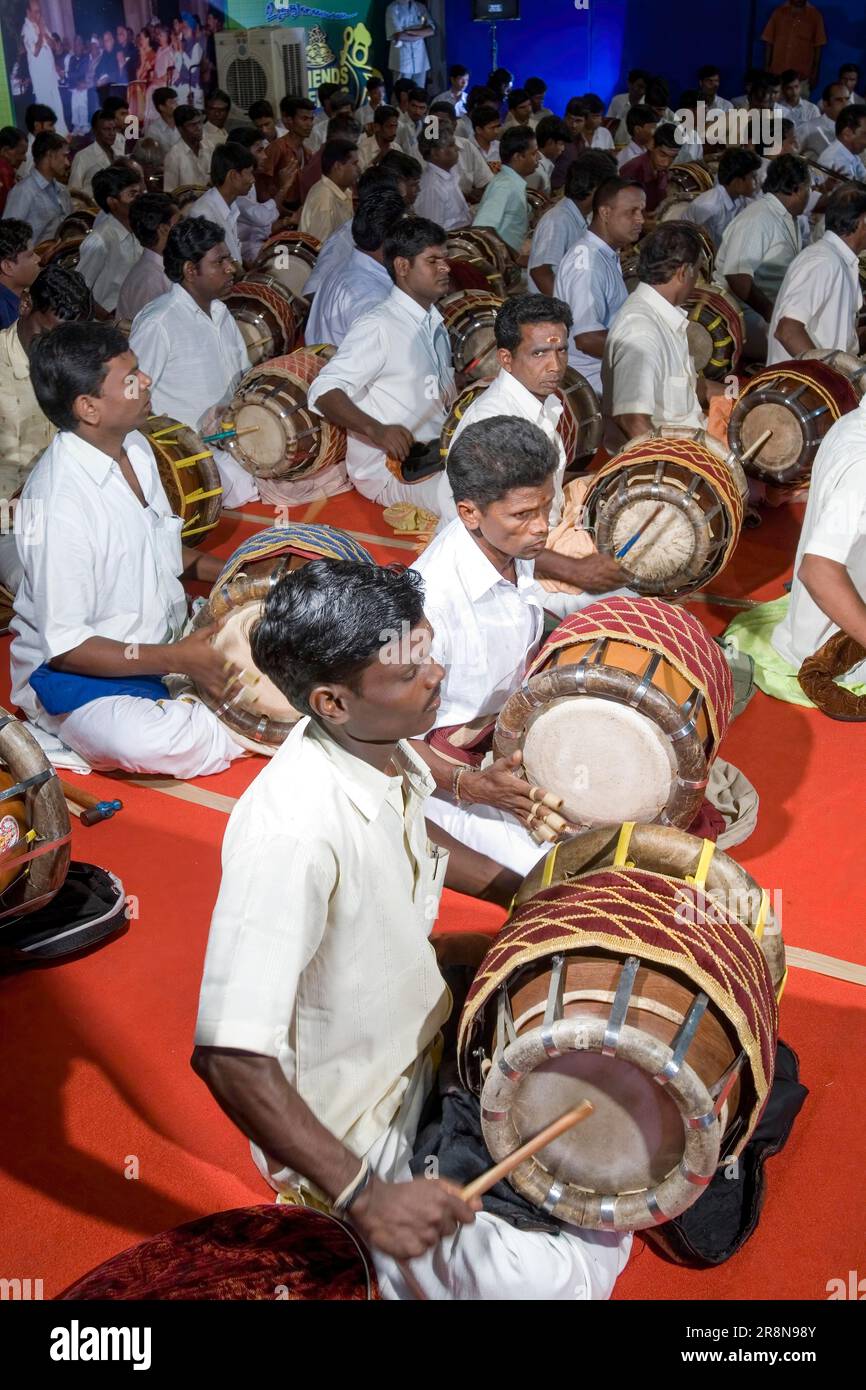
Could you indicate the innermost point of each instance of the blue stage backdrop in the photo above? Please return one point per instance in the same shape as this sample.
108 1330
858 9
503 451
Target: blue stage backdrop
591 49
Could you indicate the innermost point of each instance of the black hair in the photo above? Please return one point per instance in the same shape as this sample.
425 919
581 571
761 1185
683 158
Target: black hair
403 85
36 112
789 75
404 166
844 210
535 86
593 104
69 362
708 70
658 92
229 158
552 128
638 75
340 101
99 116
409 238
640 115
11 137
786 175
185 115
375 179
516 140
325 91
110 183
737 164
336 152
575 107
849 118
376 218
62 292
290 106
690 98
162 95
666 136
609 191
147 214
484 115
343 126
326 623
374 82
219 95
46 142
527 308
189 240
385 113
15 237
112 105
444 140
260 108
849 67
480 96
494 456
588 172
499 80
457 70
671 245
517 97
245 135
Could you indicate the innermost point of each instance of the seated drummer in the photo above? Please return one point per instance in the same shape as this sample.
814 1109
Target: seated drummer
391 381
56 296
100 609
487 615
190 346
532 348
321 1009
647 373
111 249
651 170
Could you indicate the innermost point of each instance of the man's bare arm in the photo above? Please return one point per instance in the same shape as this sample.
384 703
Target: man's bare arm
830 585
591 344
793 336
745 289
394 440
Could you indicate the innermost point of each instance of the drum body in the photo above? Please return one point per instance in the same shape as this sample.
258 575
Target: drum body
580 425
77 223
264 311
693 177
799 401
34 823
63 251
538 204
621 714
716 332
278 435
680 483
187 193
641 970
289 257
486 251
469 317
151 156
474 273
258 715
188 473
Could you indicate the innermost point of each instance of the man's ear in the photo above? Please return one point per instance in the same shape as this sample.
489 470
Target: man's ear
470 514
504 358
328 703
86 410
402 265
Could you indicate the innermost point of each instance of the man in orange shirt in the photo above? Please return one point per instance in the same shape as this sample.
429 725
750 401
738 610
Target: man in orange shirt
794 37
279 176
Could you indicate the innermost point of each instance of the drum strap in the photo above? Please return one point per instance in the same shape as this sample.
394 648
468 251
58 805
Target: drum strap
26 783
619 859
44 848
699 878
549 865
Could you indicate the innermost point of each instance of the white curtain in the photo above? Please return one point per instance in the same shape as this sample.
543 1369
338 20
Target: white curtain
137 14
59 18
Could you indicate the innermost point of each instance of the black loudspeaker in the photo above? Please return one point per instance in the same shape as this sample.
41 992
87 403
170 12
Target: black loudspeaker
495 9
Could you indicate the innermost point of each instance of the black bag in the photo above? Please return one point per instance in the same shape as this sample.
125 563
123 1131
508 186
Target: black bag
88 909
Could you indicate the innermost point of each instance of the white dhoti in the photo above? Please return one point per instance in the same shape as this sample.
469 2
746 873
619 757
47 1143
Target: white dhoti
11 568
496 833
239 486
423 494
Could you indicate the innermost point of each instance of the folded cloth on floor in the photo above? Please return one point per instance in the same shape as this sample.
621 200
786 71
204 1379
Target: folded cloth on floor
57 752
731 793
751 633
328 482
818 678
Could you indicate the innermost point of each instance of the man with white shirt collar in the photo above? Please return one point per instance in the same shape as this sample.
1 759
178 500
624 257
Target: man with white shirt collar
41 199
337 103
458 76
363 282
373 99
709 81
411 121
231 173
473 171
216 109
391 173
814 136
37 118
820 300
796 107
151 218
648 376
561 226
391 382
589 278
109 251
187 163
381 139
843 154
100 610
329 203
407 25
191 347
99 154
162 128
718 207
552 136
760 243
641 122
597 136
638 81
439 198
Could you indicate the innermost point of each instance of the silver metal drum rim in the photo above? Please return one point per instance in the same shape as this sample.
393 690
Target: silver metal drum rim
702 1131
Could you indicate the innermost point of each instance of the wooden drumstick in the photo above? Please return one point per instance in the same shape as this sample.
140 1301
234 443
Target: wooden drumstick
479 1186
753 448
632 540
229 434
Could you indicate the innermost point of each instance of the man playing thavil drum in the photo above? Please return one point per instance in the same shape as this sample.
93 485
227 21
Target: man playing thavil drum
320 1011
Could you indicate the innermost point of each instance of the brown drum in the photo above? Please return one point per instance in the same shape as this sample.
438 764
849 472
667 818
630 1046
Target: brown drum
186 194
278 436
264 311
290 257
474 274
538 204
580 425
485 251
34 823
799 401
628 260
83 203
640 970
693 177
716 332
257 713
622 713
77 224
188 473
678 485
61 251
469 317
149 154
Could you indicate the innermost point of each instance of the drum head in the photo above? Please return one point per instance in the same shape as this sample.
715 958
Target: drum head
254 691
786 443
266 444
608 762
701 345
291 269
668 547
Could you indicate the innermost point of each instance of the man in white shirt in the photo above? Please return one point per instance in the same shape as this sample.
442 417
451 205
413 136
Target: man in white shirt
329 203
109 251
648 377
335 252
100 610
709 81
353 289
561 226
717 208
381 139
374 98
216 109
232 170
407 25
41 198
589 278
325 1069
820 300
391 382
849 76
163 128
552 136
760 243
151 218
829 587
641 123
440 199
191 347
338 104
99 154
638 81
519 109
473 171
814 136
458 76
411 121
843 153
796 107
597 136
257 218
187 163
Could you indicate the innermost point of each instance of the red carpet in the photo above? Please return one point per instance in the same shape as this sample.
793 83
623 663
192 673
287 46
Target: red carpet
108 1137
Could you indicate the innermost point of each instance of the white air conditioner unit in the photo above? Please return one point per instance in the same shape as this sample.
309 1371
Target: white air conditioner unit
266 63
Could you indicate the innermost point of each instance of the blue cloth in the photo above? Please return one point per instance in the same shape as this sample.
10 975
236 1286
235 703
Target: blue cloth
60 692
9 306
